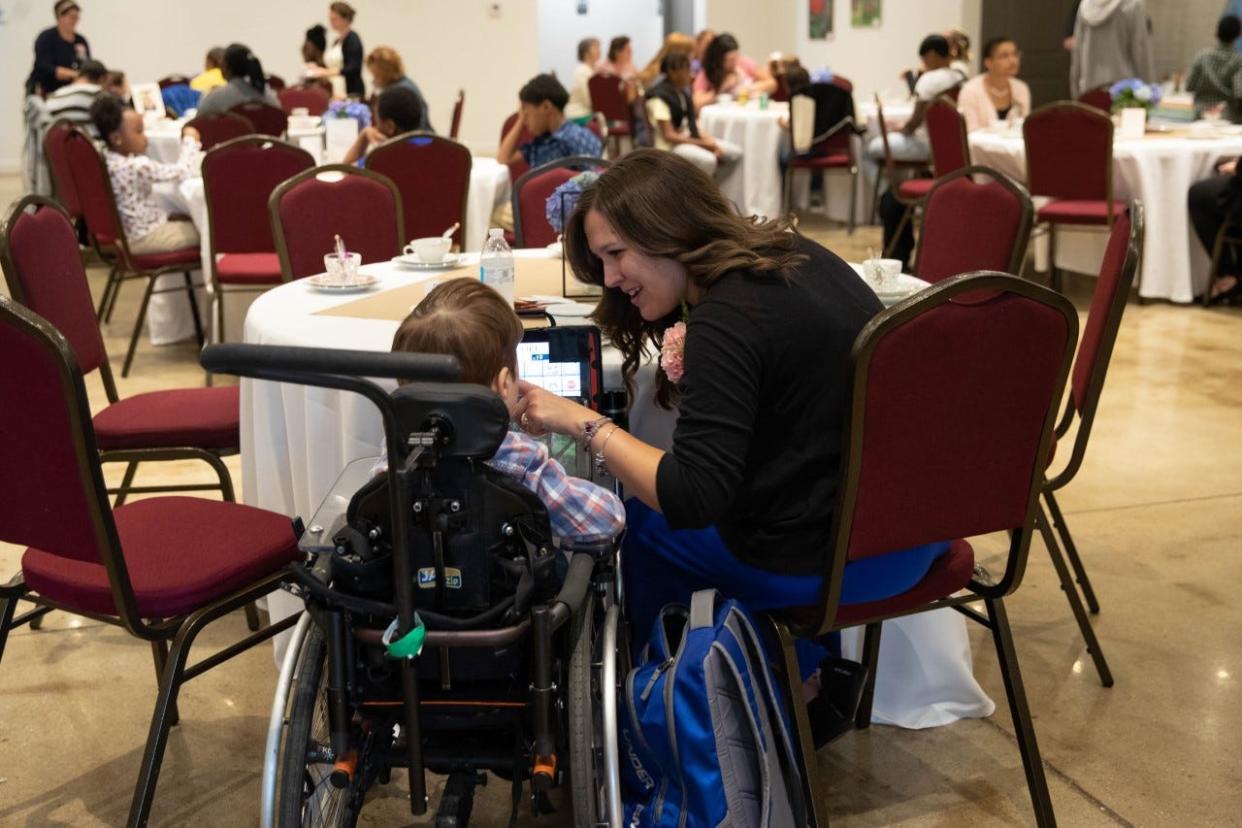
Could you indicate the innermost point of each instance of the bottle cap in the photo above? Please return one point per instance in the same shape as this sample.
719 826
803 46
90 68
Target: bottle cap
495 232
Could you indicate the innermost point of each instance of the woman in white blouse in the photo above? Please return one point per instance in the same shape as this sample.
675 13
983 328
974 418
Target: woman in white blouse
148 228
997 94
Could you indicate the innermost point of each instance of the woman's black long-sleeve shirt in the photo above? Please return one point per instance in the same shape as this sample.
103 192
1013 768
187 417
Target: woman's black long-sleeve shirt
351 69
757 448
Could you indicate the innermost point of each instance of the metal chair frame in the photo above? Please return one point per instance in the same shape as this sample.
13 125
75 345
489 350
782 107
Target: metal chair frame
846 123
892 173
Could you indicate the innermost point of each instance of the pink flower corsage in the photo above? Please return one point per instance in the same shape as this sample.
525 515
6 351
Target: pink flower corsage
673 348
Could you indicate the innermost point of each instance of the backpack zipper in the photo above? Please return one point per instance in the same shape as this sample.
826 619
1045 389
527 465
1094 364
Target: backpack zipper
655 676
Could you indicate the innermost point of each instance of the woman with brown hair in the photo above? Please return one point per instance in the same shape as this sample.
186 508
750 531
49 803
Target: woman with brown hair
388 72
674 42
742 501
343 57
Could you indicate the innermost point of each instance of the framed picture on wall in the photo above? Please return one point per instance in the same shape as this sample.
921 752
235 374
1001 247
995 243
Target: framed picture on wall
147 98
820 18
865 13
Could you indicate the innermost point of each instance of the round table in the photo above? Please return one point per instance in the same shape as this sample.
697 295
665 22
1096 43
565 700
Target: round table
756 186
1157 169
296 440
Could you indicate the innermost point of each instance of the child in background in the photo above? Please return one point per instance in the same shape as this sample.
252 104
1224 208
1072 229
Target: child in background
398 111
148 227
468 320
541 109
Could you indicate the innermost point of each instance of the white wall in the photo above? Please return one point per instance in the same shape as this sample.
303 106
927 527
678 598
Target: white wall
561 27
760 28
446 46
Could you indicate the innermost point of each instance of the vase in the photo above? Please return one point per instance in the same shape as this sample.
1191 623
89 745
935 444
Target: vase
339 136
1133 122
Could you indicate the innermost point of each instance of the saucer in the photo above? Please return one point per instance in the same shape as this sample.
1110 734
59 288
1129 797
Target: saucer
412 261
321 283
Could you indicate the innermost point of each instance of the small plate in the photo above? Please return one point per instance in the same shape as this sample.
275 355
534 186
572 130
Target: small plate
556 249
321 284
570 309
414 263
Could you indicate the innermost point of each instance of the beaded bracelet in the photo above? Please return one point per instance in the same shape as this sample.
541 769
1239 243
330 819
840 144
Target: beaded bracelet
600 463
589 430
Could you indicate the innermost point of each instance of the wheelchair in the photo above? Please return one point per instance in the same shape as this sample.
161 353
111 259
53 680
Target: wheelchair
521 653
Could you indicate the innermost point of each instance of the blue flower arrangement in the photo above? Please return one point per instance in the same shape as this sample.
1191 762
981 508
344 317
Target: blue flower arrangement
565 197
1133 92
357 110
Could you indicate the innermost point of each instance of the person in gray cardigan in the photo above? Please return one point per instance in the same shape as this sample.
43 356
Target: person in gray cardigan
246 83
1111 42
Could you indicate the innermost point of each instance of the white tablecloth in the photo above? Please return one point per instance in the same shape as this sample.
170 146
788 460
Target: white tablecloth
169 317
1157 170
756 188
296 440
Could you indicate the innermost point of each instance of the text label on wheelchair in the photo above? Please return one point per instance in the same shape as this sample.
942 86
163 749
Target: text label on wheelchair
427 578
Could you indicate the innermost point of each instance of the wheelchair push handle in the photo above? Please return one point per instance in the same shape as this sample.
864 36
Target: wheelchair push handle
290 363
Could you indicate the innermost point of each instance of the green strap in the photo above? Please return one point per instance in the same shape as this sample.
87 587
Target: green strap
410 644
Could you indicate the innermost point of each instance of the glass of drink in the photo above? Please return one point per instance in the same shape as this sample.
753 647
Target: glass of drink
342 269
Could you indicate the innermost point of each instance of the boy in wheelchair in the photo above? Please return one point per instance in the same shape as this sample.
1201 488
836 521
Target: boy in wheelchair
491 662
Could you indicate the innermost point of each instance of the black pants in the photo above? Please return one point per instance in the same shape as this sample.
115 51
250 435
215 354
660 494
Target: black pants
1211 202
891 212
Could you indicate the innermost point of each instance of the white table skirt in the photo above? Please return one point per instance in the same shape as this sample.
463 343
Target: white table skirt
1159 172
756 187
168 317
296 440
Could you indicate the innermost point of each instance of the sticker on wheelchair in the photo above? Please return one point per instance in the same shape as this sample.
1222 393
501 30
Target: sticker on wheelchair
427 578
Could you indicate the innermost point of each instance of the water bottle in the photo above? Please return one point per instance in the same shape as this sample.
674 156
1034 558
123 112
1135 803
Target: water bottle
496 264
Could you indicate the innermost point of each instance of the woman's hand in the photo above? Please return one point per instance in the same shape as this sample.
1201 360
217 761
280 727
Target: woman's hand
541 412
191 132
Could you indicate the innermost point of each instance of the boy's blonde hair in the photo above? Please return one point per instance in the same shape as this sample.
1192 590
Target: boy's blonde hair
466 319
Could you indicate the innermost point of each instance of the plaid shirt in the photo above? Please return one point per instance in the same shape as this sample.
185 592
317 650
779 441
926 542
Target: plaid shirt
578 509
569 139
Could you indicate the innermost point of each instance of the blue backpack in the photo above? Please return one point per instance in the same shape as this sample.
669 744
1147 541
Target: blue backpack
704 740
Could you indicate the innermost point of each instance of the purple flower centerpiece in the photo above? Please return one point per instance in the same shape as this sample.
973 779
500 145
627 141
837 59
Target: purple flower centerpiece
1133 92
563 199
357 110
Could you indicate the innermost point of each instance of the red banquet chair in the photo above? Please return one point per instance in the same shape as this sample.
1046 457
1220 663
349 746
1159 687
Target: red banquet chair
39 255
1099 335
238 179
970 226
910 192
432 173
946 135
267 119
530 196
314 101
608 97
173 80
983 358
216 129
63 188
308 211
117 565
455 122
1069 159
1100 98
516 168
107 233
821 133
275 83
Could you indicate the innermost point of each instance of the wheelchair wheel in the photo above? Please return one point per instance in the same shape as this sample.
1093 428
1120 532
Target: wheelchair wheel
592 681
306 795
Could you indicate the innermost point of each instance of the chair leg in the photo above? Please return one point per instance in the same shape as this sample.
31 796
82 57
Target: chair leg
870 659
127 483
7 607
804 745
142 318
117 281
252 617
1024 728
1071 595
159 650
853 200
198 320
1071 552
875 199
106 296
892 243
1054 272
222 472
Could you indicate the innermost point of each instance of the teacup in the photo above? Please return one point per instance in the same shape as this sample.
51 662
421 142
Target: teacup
342 270
430 249
299 112
882 274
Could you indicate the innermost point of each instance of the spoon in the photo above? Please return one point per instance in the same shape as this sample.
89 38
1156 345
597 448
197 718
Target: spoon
340 248
449 232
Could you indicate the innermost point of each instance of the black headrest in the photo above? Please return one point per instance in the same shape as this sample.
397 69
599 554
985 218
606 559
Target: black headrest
472 418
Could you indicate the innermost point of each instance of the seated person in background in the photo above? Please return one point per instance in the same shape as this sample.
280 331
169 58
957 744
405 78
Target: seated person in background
388 72
542 111
213 72
579 107
620 62
726 71
73 102
997 94
466 319
147 226
671 112
1215 77
246 83
397 111
959 51
115 83
1213 202
653 72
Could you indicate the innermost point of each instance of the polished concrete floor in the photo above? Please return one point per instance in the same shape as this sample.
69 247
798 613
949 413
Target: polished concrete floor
1157 511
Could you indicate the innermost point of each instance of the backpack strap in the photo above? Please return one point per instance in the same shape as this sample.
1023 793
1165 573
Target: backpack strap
703 609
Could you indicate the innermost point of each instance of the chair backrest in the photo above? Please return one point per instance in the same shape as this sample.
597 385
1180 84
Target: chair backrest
309 210
432 174
314 101
821 117
530 197
608 97
43 269
516 168
843 82
969 226
58 164
981 360
90 177
267 119
173 80
946 133
455 123
275 83
216 129
238 179
1100 98
1069 152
